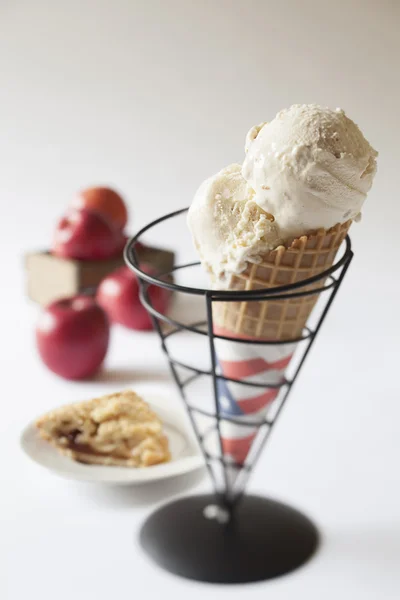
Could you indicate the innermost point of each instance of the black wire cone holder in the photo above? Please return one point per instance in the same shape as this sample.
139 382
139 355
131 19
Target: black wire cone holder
227 536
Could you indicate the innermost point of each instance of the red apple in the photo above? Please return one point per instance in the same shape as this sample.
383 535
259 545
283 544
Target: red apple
72 337
118 294
105 202
85 235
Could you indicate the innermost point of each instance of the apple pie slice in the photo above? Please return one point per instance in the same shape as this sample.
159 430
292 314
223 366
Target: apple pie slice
118 429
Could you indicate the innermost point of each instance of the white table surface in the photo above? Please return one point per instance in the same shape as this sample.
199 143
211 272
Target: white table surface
334 454
152 97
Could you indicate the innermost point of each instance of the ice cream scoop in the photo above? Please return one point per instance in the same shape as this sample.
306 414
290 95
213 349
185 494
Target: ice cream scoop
228 227
310 167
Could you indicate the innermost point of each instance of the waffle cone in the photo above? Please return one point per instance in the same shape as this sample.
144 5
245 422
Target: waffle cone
285 319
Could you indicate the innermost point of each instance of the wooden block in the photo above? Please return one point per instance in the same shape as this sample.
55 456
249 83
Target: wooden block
162 260
50 278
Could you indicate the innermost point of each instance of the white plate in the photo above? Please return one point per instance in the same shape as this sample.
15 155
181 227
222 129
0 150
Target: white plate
185 454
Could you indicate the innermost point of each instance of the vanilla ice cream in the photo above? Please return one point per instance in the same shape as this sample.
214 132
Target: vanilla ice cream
309 168
227 226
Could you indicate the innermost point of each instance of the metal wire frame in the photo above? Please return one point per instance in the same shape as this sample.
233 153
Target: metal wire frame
227 496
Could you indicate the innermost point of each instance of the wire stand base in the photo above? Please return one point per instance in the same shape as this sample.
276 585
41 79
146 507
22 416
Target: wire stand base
194 538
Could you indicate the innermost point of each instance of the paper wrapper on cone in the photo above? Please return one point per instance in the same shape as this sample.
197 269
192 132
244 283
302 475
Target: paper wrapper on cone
269 320
248 363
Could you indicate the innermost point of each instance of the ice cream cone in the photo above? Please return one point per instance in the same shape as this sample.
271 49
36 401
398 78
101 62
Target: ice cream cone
305 257
270 320
308 168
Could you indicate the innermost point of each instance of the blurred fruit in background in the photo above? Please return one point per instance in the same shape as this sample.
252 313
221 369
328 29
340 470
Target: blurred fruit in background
86 258
86 235
87 246
118 294
92 228
72 337
105 202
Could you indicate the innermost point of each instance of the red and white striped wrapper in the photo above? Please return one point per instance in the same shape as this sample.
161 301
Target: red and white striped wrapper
247 363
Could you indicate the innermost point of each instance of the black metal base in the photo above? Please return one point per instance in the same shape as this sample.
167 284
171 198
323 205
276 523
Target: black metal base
264 539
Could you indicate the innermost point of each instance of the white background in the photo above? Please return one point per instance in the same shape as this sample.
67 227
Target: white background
152 97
